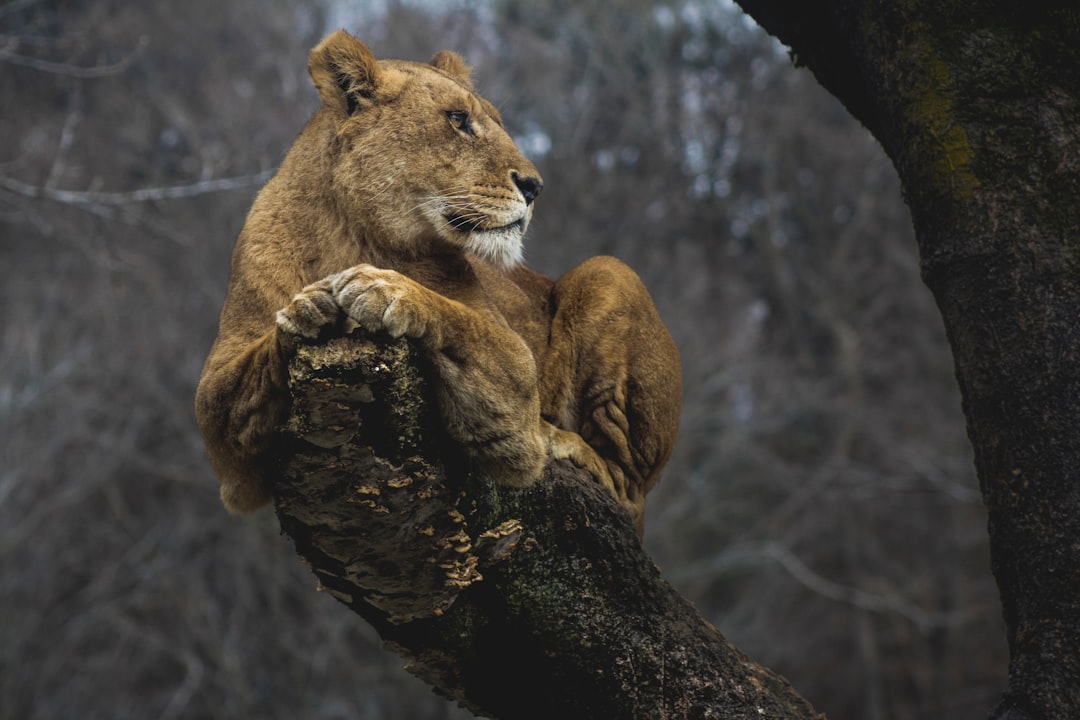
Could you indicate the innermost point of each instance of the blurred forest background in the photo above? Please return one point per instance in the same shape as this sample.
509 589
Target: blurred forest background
821 508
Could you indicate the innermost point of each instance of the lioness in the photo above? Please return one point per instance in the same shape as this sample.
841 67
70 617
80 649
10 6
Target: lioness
402 205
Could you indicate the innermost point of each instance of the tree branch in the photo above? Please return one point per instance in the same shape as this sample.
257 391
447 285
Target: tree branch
516 603
82 72
976 105
173 192
745 554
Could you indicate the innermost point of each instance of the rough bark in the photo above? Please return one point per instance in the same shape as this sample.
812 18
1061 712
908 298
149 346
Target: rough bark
516 603
978 106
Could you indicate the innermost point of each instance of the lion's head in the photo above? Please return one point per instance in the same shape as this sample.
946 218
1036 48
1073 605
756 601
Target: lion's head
418 157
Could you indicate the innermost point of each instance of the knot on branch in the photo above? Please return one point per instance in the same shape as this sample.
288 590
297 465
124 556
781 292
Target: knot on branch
364 489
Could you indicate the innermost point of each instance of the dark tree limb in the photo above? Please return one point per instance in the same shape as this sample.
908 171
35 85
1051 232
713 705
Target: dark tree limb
516 603
978 106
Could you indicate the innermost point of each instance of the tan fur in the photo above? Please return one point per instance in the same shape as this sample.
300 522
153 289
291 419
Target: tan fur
402 206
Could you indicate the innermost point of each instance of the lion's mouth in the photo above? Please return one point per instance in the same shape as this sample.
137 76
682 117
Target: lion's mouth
465 224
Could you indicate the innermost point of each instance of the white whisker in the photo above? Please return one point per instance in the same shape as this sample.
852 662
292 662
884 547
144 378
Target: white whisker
437 201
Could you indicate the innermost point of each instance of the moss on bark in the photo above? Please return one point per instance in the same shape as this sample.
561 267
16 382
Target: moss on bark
516 603
977 107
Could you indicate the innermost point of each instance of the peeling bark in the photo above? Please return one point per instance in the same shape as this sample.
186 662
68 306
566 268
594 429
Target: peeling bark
516 603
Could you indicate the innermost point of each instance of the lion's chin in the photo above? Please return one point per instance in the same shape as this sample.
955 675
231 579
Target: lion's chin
502 246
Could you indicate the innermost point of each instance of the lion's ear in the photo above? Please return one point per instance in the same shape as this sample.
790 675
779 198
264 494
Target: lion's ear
454 65
344 71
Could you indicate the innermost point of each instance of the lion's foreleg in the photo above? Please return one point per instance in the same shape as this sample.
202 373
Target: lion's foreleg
487 387
242 396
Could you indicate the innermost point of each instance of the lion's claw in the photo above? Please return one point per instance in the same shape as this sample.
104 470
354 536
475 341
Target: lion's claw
309 312
378 299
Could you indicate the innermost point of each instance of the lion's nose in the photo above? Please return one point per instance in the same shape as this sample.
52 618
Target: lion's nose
529 186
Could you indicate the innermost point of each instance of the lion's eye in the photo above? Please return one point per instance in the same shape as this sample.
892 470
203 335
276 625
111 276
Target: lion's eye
460 120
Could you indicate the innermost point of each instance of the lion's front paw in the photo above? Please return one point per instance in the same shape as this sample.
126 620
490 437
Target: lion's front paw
309 312
380 299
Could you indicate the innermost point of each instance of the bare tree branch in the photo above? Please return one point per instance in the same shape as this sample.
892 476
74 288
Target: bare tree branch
175 192
755 553
67 137
8 54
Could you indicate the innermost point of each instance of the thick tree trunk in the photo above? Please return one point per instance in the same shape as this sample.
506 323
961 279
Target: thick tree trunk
517 603
978 105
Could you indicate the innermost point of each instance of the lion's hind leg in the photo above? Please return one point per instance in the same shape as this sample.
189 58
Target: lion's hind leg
612 376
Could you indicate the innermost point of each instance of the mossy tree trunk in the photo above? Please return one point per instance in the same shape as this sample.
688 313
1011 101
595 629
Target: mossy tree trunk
516 603
978 106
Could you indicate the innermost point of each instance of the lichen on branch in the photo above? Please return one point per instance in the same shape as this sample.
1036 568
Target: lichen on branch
495 595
